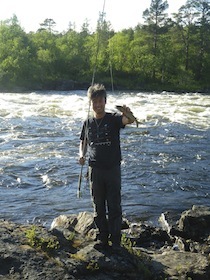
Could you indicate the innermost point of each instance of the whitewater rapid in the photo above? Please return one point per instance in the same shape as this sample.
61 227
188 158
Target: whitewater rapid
165 163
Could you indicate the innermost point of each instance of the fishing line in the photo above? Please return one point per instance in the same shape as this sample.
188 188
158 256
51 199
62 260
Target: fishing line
110 65
100 22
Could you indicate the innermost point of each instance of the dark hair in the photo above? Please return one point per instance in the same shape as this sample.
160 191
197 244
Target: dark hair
96 90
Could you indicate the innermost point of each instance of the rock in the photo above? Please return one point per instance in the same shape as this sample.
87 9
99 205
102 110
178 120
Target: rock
66 251
64 221
83 224
147 236
183 265
18 260
195 223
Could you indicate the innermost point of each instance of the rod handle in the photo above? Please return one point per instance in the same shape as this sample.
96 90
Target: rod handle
79 183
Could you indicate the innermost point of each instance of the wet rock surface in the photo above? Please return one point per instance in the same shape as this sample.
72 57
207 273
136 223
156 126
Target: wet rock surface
66 250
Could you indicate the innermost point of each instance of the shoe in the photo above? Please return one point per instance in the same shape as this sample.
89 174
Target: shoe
101 245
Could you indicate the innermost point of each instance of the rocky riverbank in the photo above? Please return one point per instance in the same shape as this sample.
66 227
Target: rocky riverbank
66 250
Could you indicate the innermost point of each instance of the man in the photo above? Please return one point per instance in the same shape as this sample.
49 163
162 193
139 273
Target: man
100 136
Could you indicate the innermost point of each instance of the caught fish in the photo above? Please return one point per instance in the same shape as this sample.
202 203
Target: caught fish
129 115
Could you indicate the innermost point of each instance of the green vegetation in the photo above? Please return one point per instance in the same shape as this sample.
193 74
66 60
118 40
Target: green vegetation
163 53
128 244
92 266
47 244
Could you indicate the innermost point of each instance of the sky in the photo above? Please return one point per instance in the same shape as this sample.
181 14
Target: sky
121 14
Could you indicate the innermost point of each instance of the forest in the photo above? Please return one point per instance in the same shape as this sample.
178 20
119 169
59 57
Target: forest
164 53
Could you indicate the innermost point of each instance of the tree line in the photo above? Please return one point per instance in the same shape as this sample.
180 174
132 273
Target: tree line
171 53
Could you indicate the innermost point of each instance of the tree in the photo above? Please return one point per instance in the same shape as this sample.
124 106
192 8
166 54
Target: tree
170 51
46 56
98 44
15 54
185 19
155 18
48 24
202 11
120 44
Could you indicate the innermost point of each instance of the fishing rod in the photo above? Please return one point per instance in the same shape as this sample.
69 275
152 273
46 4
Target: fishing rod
100 20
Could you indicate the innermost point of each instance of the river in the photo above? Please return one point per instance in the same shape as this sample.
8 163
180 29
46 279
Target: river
166 160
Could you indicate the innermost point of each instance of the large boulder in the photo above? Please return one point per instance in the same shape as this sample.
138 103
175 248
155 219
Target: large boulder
83 224
182 265
195 223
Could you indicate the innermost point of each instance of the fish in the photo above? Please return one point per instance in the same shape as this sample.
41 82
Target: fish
128 115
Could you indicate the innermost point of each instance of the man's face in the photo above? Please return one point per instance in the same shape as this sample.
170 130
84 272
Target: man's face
98 104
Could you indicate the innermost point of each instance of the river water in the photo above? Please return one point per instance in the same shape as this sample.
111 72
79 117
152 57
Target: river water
166 160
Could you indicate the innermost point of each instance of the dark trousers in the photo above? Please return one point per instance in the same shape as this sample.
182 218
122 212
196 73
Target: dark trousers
106 193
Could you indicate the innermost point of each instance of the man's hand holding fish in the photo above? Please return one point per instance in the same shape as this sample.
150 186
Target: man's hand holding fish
128 116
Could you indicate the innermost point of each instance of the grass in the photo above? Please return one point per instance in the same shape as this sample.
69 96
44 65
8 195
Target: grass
46 244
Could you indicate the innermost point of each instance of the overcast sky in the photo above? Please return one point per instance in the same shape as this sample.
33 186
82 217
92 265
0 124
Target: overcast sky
121 14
